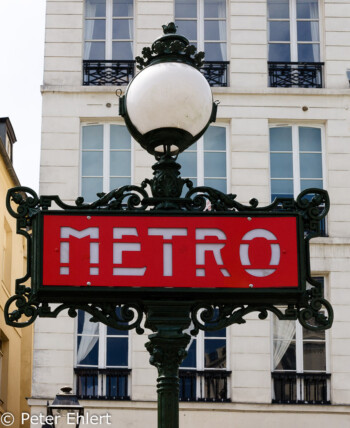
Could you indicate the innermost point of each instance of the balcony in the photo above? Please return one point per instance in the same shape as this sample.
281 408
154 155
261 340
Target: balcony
102 384
301 388
209 385
119 73
295 74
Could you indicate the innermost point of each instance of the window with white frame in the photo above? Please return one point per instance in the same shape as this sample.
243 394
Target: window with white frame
205 162
108 31
102 360
204 372
203 22
293 30
105 159
296 161
300 372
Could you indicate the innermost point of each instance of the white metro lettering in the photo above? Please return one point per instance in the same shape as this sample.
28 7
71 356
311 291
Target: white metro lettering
120 247
244 252
201 249
167 246
66 232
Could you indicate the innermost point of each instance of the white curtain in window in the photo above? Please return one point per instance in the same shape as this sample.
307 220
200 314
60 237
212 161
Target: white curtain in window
88 339
89 27
314 30
222 29
284 332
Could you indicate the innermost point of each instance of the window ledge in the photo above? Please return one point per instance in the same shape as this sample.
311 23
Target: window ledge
210 406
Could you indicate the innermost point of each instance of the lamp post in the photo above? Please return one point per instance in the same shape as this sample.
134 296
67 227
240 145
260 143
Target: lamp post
65 410
166 108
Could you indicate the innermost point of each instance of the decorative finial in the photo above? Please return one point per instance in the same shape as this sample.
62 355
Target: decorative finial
171 46
170 28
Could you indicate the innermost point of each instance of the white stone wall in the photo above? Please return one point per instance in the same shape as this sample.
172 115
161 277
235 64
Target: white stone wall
248 107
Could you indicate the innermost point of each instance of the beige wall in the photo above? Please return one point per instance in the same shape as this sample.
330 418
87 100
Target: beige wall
17 364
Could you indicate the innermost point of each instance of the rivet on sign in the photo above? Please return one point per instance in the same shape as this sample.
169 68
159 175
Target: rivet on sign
88 217
251 285
249 218
88 283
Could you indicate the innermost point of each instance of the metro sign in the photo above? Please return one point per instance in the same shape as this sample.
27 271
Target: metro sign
163 251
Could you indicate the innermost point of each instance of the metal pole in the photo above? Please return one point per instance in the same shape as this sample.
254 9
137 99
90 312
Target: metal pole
167 348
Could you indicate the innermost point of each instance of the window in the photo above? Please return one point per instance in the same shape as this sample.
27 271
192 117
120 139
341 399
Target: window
203 373
102 360
108 35
205 162
203 22
106 159
294 37
300 370
108 29
296 161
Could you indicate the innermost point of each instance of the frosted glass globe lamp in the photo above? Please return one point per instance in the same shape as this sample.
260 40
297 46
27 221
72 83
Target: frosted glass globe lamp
169 104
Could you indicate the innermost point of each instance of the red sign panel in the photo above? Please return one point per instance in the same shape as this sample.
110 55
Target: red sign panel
166 251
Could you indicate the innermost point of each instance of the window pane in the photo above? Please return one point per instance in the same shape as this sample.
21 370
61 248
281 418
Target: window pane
90 328
92 163
113 331
214 164
313 335
92 137
279 31
309 139
95 8
215 353
278 9
215 138
310 165
215 30
116 182
95 29
185 9
214 8
188 162
120 164
307 9
281 139
87 385
123 8
279 52
308 52
85 355
122 28
218 184
187 29
282 188
281 165
215 51
122 51
288 361
94 50
315 356
283 329
90 187
218 333
191 358
120 137
306 184
308 31
117 351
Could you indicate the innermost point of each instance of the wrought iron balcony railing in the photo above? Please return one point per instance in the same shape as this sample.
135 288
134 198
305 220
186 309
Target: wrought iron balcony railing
301 388
295 74
119 73
102 384
209 385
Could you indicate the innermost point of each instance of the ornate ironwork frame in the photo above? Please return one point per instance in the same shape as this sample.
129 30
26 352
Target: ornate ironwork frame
208 310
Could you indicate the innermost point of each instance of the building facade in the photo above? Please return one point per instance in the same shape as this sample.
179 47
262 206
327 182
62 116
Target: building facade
15 344
278 69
